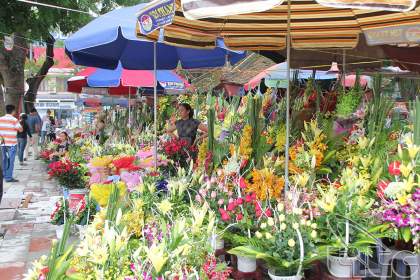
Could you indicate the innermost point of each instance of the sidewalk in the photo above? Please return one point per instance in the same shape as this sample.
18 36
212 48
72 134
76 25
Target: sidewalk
24 219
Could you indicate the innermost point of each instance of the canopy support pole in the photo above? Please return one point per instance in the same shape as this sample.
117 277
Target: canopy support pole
288 46
344 70
154 107
129 113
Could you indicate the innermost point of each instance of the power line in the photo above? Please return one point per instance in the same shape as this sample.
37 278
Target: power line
56 7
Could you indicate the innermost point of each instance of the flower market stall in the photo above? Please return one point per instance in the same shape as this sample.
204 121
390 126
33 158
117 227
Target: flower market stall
306 183
217 210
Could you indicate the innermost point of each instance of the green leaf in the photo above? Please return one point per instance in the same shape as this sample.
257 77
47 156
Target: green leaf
406 234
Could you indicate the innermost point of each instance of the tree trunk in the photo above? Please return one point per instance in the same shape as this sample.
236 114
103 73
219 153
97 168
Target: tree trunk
35 81
12 70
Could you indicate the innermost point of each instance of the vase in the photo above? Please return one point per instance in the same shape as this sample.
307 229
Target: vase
59 231
75 196
216 242
341 266
273 276
246 264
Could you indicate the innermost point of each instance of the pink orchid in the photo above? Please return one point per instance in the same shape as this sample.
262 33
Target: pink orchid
132 180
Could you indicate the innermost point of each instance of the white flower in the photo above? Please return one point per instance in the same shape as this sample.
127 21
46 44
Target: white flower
258 235
280 207
263 226
314 226
313 234
270 222
291 243
295 225
297 211
268 235
283 226
282 218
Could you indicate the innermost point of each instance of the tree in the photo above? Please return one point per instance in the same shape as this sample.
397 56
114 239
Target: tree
26 23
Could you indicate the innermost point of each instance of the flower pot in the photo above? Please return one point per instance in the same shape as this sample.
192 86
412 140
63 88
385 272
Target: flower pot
75 196
59 231
82 230
341 266
216 242
246 264
277 277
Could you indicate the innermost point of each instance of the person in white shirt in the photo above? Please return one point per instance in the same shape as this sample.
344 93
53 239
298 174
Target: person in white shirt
9 127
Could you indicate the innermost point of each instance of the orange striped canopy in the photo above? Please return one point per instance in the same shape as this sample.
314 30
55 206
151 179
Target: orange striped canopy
312 26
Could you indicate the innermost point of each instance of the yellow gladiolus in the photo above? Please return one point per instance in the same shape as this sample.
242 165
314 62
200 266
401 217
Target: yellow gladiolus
406 169
412 150
157 257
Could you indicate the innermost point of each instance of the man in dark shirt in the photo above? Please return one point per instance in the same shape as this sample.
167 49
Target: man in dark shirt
35 124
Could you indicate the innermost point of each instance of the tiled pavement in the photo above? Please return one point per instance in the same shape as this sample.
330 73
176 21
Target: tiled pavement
27 232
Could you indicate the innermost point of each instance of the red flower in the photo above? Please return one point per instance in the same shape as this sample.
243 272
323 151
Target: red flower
337 185
231 206
239 201
381 187
239 217
248 198
242 183
225 215
45 270
394 168
268 212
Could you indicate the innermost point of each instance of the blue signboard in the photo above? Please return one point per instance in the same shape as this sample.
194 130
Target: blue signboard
156 15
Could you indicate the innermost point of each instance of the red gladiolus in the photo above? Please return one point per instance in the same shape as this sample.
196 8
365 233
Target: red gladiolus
244 163
268 212
394 168
381 187
248 198
239 217
225 215
253 196
231 206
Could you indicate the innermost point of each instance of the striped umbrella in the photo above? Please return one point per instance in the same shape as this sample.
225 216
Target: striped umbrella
312 25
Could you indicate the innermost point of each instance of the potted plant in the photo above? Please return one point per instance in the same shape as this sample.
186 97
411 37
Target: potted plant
347 222
60 215
83 214
285 242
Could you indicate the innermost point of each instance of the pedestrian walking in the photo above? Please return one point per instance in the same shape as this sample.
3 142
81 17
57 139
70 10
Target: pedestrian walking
22 137
45 126
35 125
9 126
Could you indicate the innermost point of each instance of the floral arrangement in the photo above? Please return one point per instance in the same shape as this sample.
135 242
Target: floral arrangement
69 174
101 192
400 196
61 210
178 150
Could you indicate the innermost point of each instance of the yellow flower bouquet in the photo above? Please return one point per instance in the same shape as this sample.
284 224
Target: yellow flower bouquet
101 192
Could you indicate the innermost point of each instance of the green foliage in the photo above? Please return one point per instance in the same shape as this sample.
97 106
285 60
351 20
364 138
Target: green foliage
415 119
349 101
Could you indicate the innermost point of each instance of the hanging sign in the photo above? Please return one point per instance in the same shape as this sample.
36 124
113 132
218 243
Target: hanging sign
95 91
393 35
172 85
9 42
156 15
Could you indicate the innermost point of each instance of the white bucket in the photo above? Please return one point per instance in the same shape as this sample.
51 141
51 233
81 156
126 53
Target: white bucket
216 242
59 231
341 266
246 264
275 277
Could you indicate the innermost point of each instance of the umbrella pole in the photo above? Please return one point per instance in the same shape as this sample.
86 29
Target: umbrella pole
155 107
344 71
286 157
129 114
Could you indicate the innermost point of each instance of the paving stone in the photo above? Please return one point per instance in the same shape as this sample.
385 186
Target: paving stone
14 248
7 215
12 271
15 229
10 202
39 244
